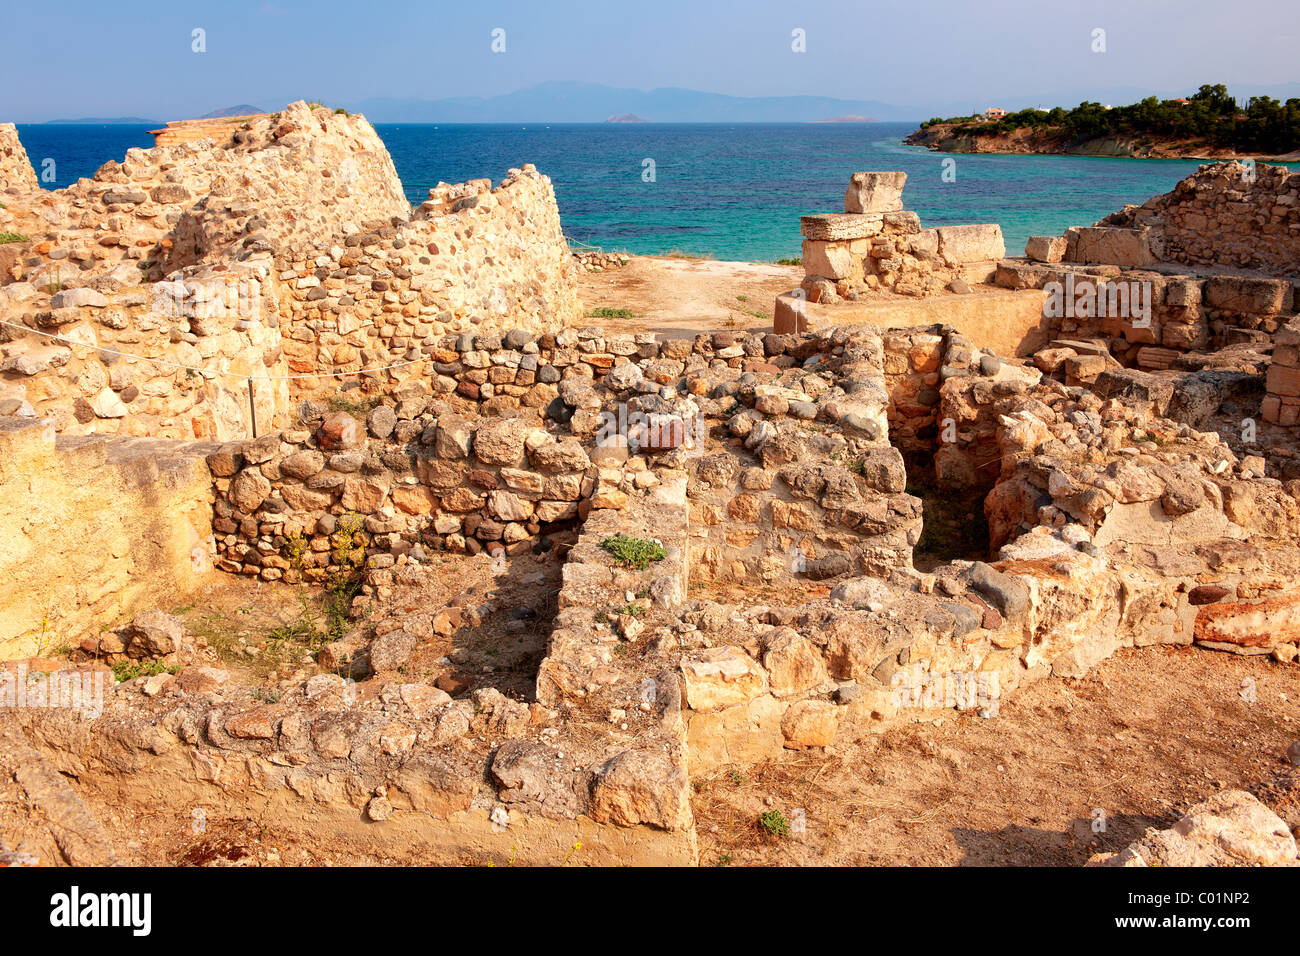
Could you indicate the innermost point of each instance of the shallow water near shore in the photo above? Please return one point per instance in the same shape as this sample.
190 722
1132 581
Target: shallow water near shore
730 191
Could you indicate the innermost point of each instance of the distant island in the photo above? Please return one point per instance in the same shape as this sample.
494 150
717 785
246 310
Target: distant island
625 118
1208 125
845 119
241 110
103 121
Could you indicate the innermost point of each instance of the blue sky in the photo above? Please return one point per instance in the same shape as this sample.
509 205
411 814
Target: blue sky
133 57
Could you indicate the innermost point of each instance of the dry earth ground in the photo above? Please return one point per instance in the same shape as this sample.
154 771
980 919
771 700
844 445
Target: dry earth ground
1147 734
684 296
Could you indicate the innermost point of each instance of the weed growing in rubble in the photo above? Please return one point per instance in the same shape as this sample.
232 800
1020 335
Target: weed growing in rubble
608 313
348 542
296 549
12 237
129 670
636 553
632 610
353 406
774 822
301 630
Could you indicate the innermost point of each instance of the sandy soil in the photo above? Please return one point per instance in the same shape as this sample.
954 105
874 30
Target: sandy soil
1148 733
685 296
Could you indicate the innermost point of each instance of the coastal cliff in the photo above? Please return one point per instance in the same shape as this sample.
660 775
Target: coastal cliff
1211 124
965 138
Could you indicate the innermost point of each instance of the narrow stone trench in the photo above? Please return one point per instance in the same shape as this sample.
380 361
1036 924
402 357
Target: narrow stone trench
953 524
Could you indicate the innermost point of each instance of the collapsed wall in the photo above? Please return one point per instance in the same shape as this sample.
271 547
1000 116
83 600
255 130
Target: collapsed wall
1242 215
143 300
1208 266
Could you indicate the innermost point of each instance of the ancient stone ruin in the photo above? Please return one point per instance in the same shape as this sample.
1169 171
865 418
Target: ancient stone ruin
514 518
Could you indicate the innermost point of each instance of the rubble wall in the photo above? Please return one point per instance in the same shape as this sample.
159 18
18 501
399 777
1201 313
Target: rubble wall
286 254
1225 214
473 258
1148 318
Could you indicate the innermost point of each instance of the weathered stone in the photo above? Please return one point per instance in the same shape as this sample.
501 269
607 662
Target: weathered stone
641 787
721 676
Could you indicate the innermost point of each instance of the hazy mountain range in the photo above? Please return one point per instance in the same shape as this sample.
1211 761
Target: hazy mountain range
593 102
575 102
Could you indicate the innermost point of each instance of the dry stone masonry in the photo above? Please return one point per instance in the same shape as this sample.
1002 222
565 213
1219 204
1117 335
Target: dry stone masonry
145 298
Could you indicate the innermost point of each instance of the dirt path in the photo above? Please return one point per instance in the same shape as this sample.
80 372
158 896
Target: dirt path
680 296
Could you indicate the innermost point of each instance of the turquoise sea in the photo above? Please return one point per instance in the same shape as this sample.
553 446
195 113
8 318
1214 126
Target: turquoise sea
730 191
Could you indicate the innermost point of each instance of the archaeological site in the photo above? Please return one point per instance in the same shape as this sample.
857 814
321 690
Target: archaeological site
338 530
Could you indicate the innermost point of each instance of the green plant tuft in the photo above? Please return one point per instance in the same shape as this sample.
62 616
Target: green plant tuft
632 552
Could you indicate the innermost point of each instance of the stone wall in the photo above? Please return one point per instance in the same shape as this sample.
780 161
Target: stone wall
286 254
287 503
1225 214
472 257
1281 404
96 531
1148 318
818 491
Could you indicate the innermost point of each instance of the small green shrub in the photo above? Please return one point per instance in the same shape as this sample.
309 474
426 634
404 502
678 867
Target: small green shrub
632 552
604 312
774 822
129 670
12 237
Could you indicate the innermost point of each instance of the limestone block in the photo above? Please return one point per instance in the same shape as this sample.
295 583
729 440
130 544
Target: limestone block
1253 296
840 227
1112 245
720 677
1231 828
810 723
875 192
1046 248
830 259
971 243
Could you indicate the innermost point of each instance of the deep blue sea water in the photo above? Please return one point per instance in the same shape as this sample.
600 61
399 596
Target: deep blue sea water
732 191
